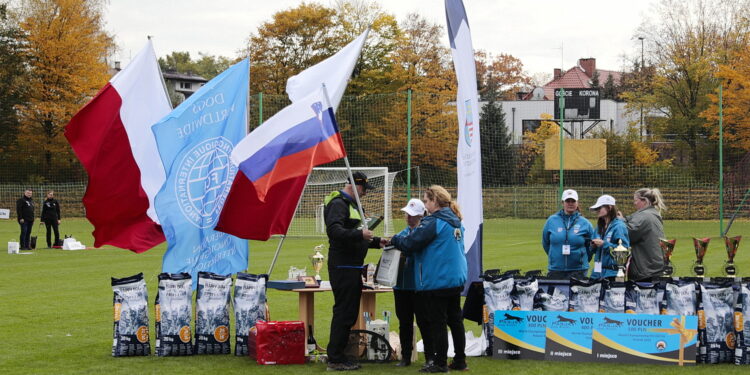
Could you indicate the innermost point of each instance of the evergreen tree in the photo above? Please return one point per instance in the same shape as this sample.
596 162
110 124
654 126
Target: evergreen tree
595 80
498 156
610 90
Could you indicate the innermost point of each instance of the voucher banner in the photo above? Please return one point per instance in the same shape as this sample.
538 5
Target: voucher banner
520 334
568 337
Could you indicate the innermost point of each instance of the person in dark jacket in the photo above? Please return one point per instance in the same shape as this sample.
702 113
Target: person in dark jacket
25 211
348 243
440 274
566 238
610 232
51 217
645 228
404 293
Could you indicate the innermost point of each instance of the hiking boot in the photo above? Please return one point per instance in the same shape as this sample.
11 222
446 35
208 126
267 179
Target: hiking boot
458 366
345 366
405 362
428 363
433 368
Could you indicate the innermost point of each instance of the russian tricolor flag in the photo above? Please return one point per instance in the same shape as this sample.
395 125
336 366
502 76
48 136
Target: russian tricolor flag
274 162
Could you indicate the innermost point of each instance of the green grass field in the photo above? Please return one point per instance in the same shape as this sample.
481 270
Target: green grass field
56 306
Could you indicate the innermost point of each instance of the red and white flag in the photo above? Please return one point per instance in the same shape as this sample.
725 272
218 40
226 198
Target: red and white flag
111 135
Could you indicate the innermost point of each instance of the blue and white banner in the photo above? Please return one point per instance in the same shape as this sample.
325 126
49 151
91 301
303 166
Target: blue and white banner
469 161
195 142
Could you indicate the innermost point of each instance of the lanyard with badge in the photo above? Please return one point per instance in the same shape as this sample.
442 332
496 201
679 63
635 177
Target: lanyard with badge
566 245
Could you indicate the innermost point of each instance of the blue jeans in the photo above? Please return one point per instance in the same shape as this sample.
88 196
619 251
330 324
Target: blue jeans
25 241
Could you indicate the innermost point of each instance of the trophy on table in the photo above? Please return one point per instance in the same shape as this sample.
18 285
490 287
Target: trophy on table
317 260
701 246
620 254
667 248
732 243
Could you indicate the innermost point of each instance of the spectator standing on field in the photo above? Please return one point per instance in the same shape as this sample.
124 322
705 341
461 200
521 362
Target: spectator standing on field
51 217
25 212
645 228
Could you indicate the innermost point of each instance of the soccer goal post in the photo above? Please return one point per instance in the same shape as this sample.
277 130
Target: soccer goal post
308 219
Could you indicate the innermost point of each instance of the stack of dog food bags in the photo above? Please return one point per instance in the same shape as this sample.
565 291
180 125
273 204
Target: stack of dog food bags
212 314
174 309
130 303
249 307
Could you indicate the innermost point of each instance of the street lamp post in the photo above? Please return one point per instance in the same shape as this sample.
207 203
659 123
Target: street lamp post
641 72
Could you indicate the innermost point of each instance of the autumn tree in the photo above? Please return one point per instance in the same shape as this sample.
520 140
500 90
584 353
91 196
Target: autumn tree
500 76
686 41
207 66
67 48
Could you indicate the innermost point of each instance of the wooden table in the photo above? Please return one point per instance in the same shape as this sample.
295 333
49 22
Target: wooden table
307 305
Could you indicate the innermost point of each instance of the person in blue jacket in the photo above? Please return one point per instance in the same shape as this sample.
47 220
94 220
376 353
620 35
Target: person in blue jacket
404 292
610 231
440 272
566 238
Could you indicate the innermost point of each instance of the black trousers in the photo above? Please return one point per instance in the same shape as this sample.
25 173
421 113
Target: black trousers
437 308
406 306
52 224
346 284
25 238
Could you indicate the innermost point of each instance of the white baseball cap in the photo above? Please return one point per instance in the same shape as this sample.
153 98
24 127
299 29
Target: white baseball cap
568 194
604 200
415 207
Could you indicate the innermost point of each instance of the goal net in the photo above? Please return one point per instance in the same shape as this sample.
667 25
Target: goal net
308 219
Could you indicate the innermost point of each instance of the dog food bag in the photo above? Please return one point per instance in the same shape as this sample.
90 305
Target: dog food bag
130 304
554 300
742 325
641 298
716 322
613 298
212 314
680 298
249 307
522 295
497 290
173 311
584 295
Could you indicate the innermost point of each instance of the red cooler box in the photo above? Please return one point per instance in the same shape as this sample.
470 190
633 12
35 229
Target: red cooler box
277 343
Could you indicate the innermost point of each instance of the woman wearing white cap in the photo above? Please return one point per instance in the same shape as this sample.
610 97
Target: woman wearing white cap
566 238
610 231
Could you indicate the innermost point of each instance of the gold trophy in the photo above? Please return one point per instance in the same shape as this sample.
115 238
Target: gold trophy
701 246
667 248
620 254
317 260
732 243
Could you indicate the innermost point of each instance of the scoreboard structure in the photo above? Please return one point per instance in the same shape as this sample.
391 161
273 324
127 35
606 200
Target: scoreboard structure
581 109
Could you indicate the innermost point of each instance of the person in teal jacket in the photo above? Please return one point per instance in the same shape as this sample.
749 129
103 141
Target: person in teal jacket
566 238
610 232
440 273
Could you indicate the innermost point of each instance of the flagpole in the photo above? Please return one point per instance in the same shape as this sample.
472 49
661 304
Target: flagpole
161 75
283 236
349 169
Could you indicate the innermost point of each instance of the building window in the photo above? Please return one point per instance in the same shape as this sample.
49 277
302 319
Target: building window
530 125
186 85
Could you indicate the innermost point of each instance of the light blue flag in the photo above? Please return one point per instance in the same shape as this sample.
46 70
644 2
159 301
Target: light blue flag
195 142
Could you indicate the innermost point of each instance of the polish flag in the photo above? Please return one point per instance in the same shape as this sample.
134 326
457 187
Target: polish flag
111 135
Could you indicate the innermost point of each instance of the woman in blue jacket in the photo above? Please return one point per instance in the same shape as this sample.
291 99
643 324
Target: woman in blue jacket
566 238
610 231
440 272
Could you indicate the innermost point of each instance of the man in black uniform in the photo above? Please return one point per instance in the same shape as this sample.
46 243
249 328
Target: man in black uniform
25 212
51 217
348 246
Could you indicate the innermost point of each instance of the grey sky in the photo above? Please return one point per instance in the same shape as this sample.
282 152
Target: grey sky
531 30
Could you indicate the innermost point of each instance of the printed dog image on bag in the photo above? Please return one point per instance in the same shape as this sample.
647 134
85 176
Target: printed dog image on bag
716 310
613 298
497 291
742 326
130 304
554 301
522 295
641 298
584 295
249 307
680 298
212 314
174 307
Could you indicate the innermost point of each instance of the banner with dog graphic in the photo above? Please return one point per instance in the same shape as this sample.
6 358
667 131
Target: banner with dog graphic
569 337
520 334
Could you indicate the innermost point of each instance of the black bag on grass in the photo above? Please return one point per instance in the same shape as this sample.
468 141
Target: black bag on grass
249 307
212 314
715 324
32 242
173 310
130 303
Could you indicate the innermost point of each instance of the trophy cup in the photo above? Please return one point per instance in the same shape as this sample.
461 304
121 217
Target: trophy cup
667 248
620 254
732 244
701 246
317 260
